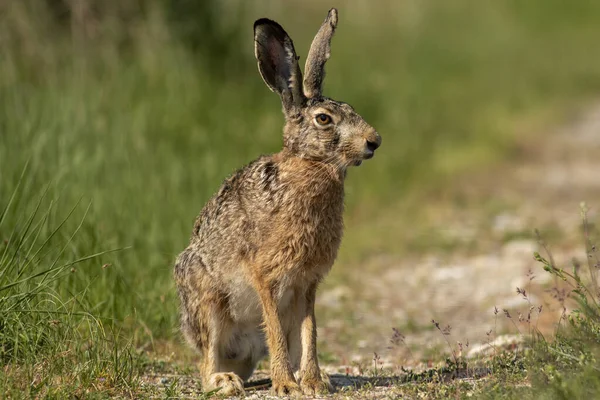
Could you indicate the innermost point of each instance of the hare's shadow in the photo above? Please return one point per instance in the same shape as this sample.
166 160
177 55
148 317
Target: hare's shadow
341 381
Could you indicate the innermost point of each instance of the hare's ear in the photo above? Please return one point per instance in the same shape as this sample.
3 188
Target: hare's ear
278 63
319 53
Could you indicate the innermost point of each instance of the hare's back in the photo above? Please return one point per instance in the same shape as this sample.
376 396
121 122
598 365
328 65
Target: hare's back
228 221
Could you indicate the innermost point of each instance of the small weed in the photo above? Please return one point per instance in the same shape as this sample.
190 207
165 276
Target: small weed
171 389
569 365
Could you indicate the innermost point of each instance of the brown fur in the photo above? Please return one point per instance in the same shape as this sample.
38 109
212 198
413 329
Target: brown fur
248 279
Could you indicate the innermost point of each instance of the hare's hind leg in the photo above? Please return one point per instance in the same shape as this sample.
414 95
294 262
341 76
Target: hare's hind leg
215 372
212 333
244 349
206 326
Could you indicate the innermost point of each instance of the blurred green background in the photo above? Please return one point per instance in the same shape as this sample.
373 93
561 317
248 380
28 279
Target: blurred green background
143 107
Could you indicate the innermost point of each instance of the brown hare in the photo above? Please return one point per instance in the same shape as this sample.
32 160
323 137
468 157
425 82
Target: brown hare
259 248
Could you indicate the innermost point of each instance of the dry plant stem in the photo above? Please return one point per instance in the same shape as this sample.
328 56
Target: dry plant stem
398 338
523 293
445 333
542 243
511 320
495 329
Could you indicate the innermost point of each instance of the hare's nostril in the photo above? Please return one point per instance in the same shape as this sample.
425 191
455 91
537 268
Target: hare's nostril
372 146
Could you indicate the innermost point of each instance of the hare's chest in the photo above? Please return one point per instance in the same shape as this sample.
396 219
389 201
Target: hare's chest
315 230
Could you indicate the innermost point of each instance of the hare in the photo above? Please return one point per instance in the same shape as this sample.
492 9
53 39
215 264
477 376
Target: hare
260 247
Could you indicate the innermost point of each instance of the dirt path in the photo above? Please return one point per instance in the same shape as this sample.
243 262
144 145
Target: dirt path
540 187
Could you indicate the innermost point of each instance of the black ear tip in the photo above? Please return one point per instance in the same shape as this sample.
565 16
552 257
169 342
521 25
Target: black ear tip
269 24
262 21
266 29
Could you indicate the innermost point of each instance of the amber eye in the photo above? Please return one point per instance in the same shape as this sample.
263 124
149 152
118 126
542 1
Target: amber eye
323 119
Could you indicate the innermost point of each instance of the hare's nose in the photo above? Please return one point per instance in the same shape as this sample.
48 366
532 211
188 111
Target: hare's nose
373 140
372 146
370 149
372 143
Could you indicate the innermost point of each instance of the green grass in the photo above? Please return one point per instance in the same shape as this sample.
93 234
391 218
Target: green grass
51 341
127 114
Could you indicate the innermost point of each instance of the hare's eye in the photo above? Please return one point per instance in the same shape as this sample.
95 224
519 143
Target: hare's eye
323 119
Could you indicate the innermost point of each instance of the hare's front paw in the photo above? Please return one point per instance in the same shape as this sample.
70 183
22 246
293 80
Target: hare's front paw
228 383
317 385
286 388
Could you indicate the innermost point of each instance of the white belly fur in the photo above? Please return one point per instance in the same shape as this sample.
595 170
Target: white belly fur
247 340
244 303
